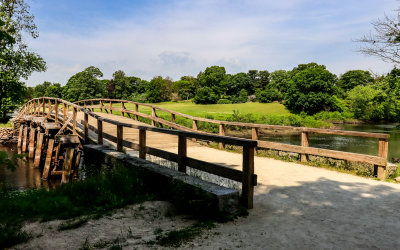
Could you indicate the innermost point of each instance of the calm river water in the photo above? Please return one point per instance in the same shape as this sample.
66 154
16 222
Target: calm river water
27 177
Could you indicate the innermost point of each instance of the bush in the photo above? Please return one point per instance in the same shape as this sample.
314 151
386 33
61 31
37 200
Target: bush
268 95
224 101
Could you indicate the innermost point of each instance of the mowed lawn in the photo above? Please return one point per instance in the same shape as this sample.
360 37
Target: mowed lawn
219 111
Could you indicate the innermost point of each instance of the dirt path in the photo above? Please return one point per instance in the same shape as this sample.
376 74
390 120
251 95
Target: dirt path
303 207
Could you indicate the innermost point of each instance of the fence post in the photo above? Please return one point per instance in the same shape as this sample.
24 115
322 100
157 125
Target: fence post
136 110
254 134
120 132
172 118
92 104
110 107
34 107
153 114
100 132
74 121
49 115
101 106
64 113
122 109
56 110
182 153
44 106
222 133
142 143
86 125
247 177
380 171
304 143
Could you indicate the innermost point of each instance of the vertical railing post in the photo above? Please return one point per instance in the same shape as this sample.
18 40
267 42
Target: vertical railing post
34 107
86 125
100 132
120 134
49 115
74 120
222 133
136 110
380 171
142 143
101 106
304 143
56 110
153 114
64 113
254 134
44 106
195 128
122 109
172 118
247 177
110 107
182 153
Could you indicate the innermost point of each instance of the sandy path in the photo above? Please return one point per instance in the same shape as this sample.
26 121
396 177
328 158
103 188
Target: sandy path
303 207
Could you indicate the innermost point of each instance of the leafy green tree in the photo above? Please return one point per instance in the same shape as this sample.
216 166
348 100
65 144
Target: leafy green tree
205 95
259 79
279 80
311 89
215 79
85 85
158 90
185 89
238 82
268 95
353 78
368 103
55 90
40 89
16 61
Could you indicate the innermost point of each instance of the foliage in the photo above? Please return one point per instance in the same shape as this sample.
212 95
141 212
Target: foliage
311 89
12 93
367 103
158 90
259 80
241 97
268 95
239 82
224 101
353 78
279 80
185 89
10 163
54 90
84 85
205 95
213 81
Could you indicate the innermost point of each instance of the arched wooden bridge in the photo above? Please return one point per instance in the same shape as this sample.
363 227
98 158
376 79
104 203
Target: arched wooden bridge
111 121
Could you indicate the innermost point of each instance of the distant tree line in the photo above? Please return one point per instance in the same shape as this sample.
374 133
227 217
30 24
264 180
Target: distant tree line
308 88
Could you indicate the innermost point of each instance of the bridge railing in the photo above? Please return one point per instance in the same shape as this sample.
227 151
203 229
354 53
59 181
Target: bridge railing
379 161
66 113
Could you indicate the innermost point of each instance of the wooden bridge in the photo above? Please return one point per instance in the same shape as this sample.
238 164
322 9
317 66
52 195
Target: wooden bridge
110 121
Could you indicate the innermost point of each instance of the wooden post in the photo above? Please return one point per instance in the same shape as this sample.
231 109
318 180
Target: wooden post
21 132
380 171
195 128
38 152
74 121
100 132
86 125
247 181
122 109
153 114
25 139
120 134
92 106
304 143
34 107
47 162
182 153
172 118
254 134
44 106
101 106
56 110
142 143
110 107
49 115
136 110
31 147
64 113
222 133
66 174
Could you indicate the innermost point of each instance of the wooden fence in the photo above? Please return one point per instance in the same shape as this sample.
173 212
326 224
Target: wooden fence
66 113
379 161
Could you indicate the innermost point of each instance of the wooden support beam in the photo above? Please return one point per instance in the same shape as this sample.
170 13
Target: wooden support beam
86 125
25 140
304 143
68 161
44 106
120 134
20 135
153 114
38 152
31 147
142 143
247 181
99 132
49 115
222 133
56 111
64 113
47 163
254 134
182 153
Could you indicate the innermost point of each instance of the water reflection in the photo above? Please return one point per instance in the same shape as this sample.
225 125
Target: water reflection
25 176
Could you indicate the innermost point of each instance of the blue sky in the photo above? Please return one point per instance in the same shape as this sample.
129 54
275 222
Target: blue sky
176 38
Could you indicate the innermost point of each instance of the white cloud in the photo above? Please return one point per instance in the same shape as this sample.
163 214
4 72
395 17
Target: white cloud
191 35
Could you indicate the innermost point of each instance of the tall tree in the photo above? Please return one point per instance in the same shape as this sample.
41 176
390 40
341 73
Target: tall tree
16 61
353 78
